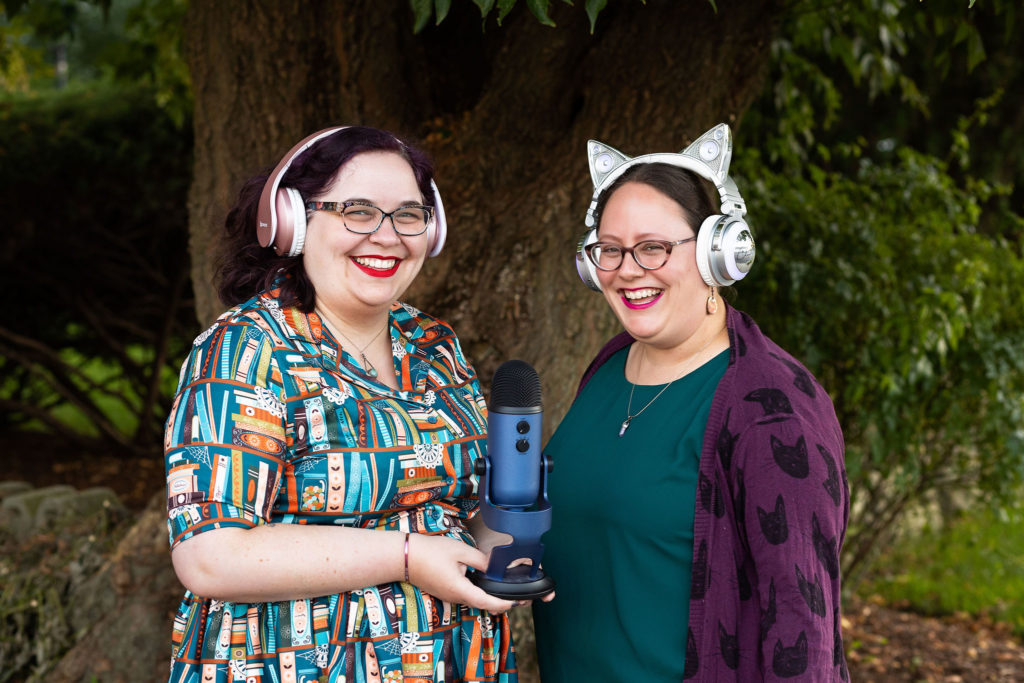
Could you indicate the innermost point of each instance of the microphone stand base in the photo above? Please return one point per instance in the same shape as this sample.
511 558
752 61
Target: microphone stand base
516 585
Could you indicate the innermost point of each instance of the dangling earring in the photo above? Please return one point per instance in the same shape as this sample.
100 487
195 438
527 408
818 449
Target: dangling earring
712 305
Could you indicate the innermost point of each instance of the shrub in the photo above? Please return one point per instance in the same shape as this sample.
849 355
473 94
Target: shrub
881 284
94 185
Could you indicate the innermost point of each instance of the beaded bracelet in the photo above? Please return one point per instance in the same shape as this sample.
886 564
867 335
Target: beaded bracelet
407 557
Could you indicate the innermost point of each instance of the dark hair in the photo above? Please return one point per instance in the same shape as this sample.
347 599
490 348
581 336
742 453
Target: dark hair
687 189
246 268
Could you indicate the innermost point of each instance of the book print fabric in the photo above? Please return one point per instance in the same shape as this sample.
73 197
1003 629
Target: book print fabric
275 422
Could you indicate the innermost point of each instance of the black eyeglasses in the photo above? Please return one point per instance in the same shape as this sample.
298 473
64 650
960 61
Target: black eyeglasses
649 254
365 219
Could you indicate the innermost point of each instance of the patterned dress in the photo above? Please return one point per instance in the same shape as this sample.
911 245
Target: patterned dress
274 422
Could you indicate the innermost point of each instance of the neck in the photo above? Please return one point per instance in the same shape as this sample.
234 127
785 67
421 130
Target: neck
359 330
652 364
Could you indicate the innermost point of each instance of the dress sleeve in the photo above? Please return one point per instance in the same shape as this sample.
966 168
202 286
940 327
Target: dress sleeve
794 506
225 438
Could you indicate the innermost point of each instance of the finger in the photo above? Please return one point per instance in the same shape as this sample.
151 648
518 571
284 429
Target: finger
521 561
475 559
481 599
497 605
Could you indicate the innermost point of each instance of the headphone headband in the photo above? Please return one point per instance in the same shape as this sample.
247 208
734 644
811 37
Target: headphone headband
725 246
708 156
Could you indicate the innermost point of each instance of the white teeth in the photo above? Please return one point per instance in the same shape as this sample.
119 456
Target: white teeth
641 293
378 263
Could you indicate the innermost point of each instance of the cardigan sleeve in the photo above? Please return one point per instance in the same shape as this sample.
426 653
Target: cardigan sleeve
792 507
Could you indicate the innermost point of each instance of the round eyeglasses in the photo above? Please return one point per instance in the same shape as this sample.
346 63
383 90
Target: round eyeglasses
649 254
365 219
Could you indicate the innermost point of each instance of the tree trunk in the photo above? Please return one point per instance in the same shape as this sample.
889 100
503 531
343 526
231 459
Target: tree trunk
505 113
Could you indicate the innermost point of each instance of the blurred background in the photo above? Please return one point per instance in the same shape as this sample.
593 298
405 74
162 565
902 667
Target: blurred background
879 146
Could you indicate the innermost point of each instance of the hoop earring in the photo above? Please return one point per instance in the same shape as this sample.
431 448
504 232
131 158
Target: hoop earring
712 304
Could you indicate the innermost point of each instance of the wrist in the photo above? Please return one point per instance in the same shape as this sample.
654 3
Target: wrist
405 557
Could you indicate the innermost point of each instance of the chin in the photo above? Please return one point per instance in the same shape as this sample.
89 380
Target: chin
639 331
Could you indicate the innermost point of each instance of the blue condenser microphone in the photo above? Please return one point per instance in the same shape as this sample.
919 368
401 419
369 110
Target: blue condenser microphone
513 485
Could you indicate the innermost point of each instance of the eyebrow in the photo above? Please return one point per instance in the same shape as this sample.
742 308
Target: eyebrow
650 235
401 205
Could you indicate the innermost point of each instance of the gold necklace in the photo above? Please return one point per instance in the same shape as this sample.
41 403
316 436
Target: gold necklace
367 365
630 416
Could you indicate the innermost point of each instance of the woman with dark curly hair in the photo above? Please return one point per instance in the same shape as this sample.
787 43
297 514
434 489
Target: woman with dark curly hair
320 449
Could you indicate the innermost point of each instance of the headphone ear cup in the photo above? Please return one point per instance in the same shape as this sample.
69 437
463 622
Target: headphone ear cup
273 198
703 251
438 230
291 222
587 271
725 250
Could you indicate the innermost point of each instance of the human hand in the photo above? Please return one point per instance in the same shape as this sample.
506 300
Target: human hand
437 565
526 603
544 598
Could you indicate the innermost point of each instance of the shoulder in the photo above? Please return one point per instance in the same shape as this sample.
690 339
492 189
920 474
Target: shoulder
434 343
261 318
611 347
421 328
765 385
241 334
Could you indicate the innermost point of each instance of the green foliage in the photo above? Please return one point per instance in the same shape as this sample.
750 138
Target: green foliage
94 185
881 284
20 59
424 10
892 240
593 8
974 565
127 41
851 72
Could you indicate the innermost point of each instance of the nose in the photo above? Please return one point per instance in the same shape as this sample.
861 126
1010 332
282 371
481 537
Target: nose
629 268
385 232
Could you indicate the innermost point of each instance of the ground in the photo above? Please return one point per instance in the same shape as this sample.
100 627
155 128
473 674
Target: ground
884 643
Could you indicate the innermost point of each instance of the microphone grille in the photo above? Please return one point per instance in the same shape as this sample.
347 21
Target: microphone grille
515 385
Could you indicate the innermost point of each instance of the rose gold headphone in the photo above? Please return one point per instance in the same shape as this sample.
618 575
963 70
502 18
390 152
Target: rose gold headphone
281 215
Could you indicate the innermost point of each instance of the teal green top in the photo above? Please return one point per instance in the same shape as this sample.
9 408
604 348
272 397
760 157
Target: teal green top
621 540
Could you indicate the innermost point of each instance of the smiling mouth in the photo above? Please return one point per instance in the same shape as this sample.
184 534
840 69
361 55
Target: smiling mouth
640 298
377 267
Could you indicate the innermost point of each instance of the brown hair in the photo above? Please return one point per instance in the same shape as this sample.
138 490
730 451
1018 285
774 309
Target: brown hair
692 192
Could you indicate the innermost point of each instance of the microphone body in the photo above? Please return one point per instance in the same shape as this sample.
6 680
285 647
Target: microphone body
513 485
513 446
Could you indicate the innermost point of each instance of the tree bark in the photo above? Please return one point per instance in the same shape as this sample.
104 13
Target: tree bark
505 112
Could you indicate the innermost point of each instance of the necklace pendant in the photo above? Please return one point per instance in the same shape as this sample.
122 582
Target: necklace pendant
368 366
625 426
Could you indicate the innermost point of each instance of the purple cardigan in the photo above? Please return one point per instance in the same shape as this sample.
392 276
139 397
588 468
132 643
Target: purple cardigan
771 514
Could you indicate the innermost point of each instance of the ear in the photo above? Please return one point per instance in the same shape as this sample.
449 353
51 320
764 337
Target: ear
603 160
714 150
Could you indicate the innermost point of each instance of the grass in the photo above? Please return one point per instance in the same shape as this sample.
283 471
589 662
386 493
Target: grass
121 402
973 565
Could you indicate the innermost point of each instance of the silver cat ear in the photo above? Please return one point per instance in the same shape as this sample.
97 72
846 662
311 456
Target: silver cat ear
714 150
603 160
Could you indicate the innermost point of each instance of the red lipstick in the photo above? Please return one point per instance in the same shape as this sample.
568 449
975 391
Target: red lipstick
377 272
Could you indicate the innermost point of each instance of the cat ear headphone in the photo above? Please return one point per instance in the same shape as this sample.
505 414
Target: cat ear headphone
281 214
725 244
